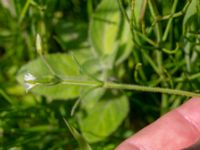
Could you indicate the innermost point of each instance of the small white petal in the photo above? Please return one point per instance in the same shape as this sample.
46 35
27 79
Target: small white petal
29 77
29 81
29 86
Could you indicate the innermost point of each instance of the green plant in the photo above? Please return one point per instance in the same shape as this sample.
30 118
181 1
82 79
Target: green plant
133 47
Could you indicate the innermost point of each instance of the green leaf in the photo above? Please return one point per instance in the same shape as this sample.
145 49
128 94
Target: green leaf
83 145
110 33
104 118
63 65
104 27
90 100
126 44
191 11
137 10
95 68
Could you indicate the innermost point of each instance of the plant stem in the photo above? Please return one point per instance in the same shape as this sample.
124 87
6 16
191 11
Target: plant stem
154 12
90 8
82 83
24 10
170 21
112 85
149 89
123 10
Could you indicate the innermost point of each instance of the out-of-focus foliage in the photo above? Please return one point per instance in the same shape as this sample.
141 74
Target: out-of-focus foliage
156 44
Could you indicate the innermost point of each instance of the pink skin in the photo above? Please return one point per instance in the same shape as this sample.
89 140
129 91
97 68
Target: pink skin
175 130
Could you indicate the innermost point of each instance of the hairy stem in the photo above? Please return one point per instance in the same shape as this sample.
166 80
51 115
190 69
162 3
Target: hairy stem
112 85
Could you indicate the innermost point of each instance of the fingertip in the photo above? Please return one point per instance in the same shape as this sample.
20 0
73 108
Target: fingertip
180 127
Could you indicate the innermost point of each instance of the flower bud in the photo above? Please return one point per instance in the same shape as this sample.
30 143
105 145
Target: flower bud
38 44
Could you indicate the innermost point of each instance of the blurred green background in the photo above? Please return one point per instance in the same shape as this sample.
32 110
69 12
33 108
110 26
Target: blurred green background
153 43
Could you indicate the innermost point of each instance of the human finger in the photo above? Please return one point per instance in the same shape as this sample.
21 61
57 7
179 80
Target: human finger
175 130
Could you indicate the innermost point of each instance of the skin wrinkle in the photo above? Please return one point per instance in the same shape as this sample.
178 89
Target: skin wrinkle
190 121
137 146
130 146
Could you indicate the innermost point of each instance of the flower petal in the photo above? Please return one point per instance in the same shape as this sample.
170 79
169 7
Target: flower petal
29 77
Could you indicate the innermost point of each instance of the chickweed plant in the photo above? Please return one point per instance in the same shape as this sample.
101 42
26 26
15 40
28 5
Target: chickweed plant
97 70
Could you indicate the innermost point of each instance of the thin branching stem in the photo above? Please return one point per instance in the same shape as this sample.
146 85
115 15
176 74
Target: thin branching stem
167 29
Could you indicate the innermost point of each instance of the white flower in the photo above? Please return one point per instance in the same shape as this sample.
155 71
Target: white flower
29 81
29 77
